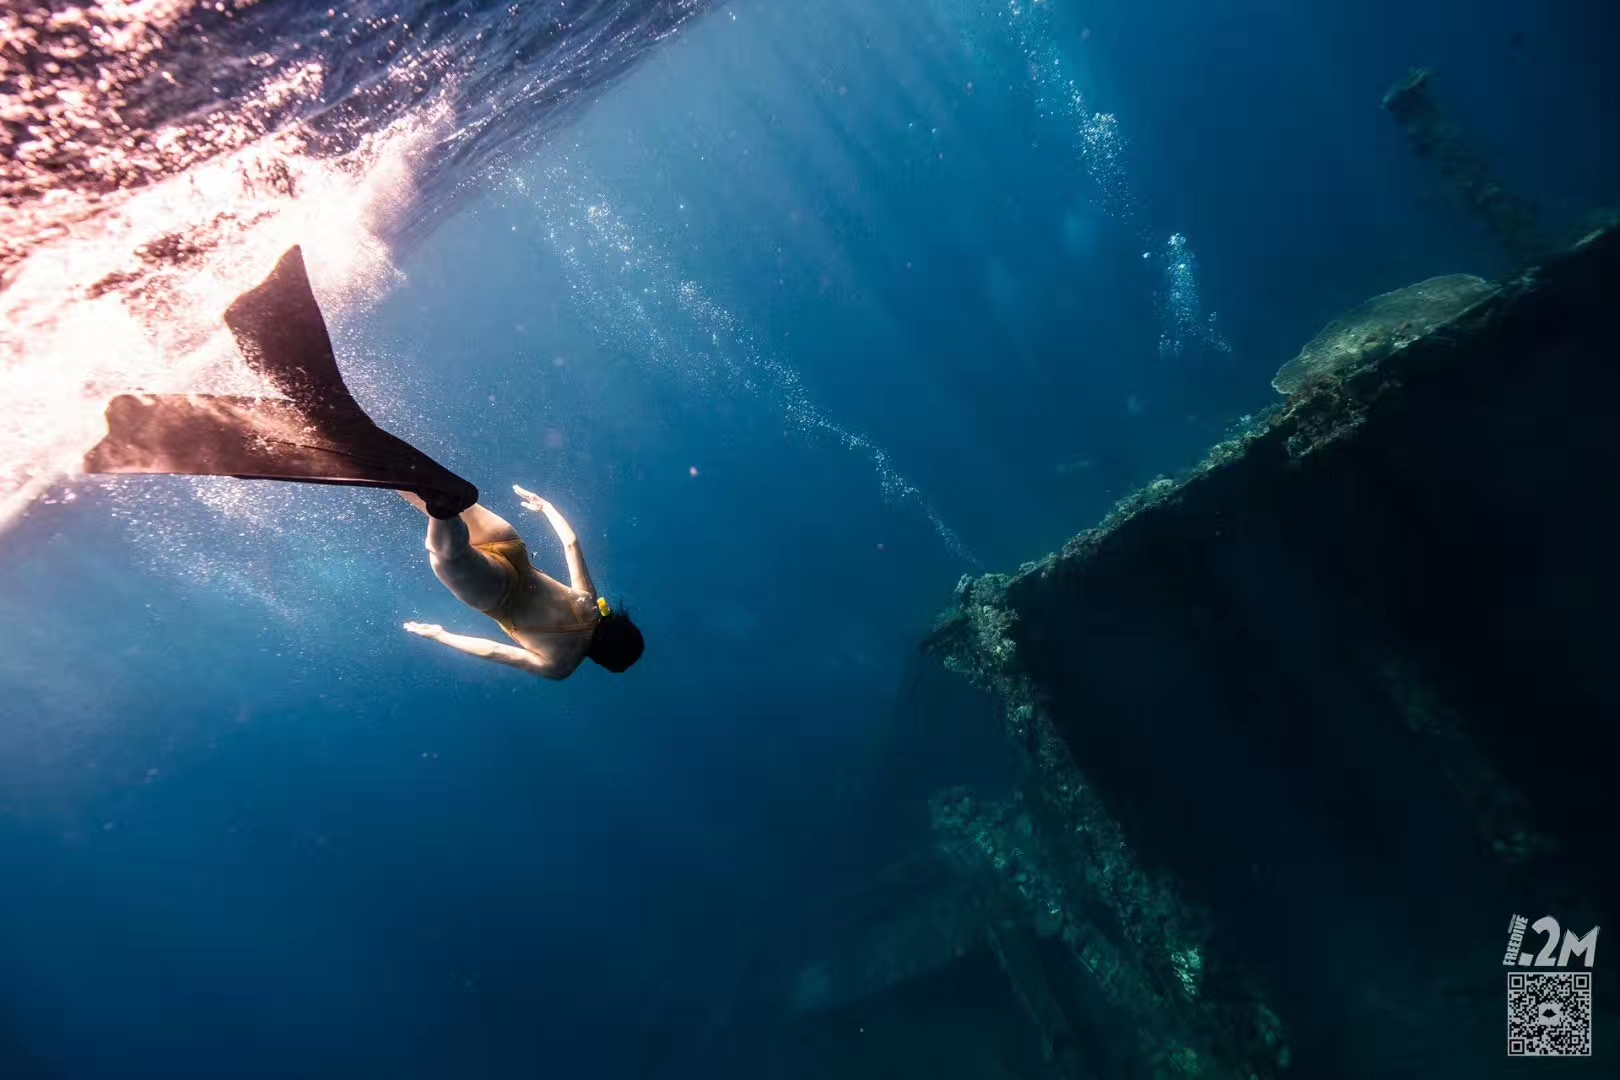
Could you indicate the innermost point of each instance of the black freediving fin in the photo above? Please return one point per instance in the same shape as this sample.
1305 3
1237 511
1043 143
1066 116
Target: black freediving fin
278 326
317 434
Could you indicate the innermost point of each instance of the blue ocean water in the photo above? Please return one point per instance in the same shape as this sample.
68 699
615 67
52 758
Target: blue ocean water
800 314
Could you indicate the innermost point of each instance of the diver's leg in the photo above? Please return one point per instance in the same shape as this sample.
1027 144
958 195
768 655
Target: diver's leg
484 525
470 575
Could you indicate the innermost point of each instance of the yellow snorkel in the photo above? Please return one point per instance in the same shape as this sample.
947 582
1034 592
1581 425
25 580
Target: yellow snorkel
603 606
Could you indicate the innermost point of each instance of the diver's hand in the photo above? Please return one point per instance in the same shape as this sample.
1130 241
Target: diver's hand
427 630
531 501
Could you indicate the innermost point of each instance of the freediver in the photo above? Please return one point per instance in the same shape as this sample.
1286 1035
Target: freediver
485 564
317 433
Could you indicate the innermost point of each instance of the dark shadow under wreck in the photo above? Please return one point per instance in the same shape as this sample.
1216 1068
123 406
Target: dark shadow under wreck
1305 727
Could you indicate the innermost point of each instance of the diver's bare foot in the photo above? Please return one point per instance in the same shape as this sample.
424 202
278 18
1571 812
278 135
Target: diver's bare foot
414 499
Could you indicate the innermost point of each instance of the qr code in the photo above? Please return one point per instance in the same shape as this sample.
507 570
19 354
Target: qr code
1549 1014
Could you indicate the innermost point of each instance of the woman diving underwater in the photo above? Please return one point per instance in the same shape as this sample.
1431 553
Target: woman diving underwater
482 561
319 434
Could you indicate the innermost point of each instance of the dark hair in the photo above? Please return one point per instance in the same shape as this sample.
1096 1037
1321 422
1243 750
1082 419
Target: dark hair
617 642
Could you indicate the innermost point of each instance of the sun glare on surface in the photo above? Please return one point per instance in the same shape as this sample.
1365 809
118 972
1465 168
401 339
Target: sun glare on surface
124 290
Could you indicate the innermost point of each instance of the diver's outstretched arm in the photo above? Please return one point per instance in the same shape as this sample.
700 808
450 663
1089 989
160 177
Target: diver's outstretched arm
579 576
482 648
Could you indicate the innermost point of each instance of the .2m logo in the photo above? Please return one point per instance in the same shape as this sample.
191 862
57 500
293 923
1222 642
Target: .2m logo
1584 946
